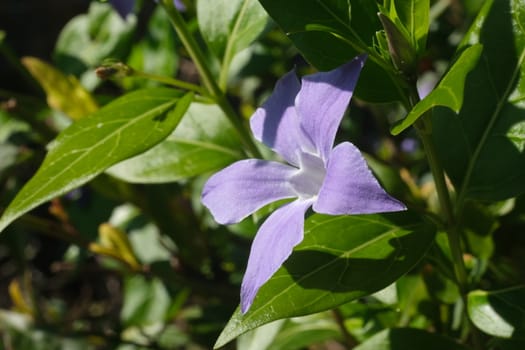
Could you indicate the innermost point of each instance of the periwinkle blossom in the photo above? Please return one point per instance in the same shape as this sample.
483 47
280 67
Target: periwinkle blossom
299 121
125 7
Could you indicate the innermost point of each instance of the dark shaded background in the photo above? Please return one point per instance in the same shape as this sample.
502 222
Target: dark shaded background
32 27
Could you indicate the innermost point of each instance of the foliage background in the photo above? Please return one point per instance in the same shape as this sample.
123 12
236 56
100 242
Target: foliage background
122 264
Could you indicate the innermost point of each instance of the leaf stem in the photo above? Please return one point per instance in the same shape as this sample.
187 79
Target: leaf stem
207 77
169 81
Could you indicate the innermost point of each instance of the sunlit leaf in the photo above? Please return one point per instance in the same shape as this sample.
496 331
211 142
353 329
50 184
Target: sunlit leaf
230 26
203 142
483 147
64 93
340 259
499 313
122 129
449 91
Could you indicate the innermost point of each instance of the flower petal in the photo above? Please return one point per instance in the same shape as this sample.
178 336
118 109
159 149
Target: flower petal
350 187
323 100
272 245
245 186
276 123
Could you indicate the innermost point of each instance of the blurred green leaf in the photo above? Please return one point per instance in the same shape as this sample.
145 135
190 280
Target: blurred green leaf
261 337
19 332
302 332
340 259
331 32
122 129
203 142
449 91
146 301
64 93
156 53
90 38
482 147
229 26
499 313
408 338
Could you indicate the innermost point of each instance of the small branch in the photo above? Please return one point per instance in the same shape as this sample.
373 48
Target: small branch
349 339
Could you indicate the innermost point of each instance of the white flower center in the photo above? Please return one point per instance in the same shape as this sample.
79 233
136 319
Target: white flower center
308 179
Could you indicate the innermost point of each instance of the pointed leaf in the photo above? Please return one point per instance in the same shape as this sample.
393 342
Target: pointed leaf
501 313
331 32
408 338
64 93
122 129
482 147
203 142
340 259
414 14
230 25
449 91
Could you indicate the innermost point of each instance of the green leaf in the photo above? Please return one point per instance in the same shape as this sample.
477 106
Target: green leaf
414 15
228 26
482 147
64 93
340 259
449 91
408 338
500 313
331 32
302 332
90 38
156 53
145 301
203 142
122 129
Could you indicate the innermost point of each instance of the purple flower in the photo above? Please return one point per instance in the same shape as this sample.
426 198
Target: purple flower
125 7
298 121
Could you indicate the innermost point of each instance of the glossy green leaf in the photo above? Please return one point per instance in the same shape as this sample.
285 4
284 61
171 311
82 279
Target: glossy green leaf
414 16
122 129
449 91
500 313
331 32
482 147
409 338
228 26
64 93
340 259
203 142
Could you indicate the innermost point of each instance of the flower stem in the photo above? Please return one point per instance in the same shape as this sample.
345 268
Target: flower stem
207 77
424 127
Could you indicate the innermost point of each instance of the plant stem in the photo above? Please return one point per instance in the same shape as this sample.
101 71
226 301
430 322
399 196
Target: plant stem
207 77
169 81
349 339
423 127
